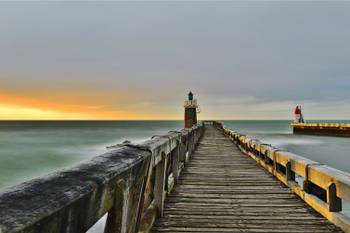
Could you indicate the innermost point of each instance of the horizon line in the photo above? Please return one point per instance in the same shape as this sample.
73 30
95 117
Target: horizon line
168 120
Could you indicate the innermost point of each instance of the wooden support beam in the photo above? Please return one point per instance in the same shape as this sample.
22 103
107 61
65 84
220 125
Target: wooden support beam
148 219
290 175
159 186
117 219
125 215
175 154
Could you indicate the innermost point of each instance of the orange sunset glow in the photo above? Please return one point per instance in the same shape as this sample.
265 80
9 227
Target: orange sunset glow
31 108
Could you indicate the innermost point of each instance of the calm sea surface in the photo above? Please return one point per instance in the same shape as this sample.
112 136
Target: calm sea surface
33 148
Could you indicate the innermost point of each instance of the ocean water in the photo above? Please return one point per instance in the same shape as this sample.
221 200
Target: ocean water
30 149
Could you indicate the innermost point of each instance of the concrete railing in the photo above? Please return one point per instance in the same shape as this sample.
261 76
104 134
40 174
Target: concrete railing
129 183
320 186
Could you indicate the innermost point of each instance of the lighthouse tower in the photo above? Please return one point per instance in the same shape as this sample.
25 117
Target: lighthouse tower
298 115
190 111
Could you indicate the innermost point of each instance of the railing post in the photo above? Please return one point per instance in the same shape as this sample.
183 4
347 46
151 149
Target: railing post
290 175
306 184
125 215
334 202
182 151
159 186
117 220
274 160
191 143
176 162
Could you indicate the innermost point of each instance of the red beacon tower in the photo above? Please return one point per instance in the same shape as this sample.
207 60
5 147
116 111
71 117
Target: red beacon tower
298 115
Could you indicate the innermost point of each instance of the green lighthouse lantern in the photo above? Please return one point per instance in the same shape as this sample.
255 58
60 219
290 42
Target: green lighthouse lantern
190 96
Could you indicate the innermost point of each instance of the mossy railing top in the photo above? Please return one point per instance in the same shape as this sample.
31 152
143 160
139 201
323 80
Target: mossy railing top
320 186
129 183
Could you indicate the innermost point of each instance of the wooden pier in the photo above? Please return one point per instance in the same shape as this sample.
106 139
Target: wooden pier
223 190
206 178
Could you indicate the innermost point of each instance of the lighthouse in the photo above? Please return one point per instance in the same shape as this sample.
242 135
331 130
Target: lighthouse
298 115
191 107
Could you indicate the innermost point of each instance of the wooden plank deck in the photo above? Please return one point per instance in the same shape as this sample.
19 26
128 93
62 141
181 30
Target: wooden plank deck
222 190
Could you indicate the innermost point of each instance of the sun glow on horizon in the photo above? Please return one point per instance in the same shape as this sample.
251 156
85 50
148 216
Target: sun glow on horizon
31 108
13 112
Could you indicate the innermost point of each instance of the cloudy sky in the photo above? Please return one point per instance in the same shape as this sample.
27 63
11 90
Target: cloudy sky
138 60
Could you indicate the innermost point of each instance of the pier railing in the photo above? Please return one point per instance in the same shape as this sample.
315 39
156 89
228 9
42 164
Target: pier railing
320 186
130 183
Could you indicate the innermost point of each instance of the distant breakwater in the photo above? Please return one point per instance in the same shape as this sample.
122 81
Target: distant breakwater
322 129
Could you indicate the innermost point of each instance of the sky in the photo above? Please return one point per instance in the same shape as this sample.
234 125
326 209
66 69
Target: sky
138 60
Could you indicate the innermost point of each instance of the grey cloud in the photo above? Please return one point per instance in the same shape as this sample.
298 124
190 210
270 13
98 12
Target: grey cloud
270 51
